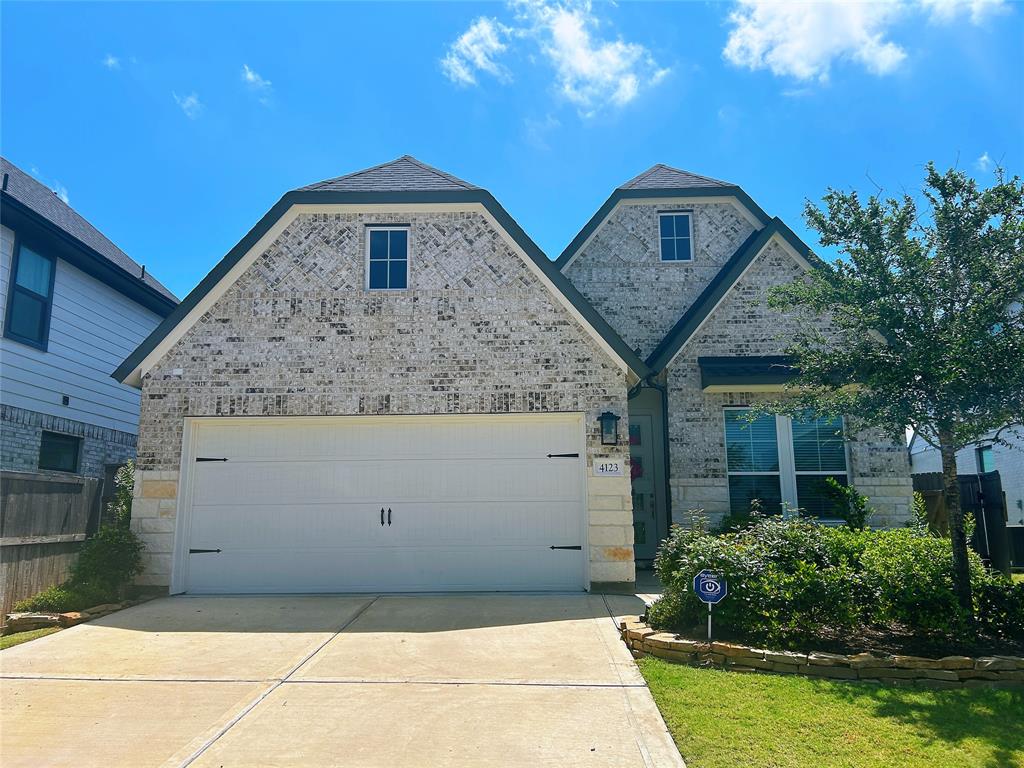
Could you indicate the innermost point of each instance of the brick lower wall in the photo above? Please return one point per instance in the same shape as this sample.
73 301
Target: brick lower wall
21 432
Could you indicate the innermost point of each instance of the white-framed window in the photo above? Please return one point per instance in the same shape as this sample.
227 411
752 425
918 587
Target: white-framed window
387 258
675 231
783 461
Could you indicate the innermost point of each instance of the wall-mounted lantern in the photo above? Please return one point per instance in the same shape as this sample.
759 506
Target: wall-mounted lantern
609 428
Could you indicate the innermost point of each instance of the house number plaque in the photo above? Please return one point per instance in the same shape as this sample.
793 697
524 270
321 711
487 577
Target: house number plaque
609 468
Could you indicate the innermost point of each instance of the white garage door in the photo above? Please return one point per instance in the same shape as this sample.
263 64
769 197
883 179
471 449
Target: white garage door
395 503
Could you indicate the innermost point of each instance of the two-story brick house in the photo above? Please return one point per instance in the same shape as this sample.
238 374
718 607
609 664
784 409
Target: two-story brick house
387 386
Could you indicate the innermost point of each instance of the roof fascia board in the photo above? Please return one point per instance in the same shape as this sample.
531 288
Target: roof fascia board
753 210
34 228
269 227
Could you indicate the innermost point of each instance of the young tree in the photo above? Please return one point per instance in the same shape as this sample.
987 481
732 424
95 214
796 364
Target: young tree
927 328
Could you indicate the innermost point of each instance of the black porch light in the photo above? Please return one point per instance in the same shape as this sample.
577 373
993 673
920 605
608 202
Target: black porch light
609 428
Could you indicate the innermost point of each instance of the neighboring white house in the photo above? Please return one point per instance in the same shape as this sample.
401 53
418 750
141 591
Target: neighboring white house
1007 460
72 306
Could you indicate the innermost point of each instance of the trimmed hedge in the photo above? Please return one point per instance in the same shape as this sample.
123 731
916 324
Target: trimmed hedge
793 581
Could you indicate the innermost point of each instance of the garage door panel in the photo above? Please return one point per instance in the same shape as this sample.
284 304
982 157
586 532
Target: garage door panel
476 503
406 439
388 481
235 526
371 570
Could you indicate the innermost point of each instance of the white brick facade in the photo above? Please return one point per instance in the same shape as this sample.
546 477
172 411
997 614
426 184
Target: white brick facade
621 273
614 271
297 334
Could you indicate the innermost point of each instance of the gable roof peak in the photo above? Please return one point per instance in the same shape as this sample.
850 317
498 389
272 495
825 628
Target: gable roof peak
403 174
661 176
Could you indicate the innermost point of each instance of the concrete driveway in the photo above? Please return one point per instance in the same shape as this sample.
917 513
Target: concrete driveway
452 680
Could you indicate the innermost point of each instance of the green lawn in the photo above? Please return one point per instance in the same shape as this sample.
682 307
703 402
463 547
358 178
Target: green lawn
727 719
6 641
1017 576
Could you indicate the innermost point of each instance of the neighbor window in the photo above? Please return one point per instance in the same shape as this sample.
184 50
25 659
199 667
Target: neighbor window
388 263
777 459
30 298
986 461
59 452
676 236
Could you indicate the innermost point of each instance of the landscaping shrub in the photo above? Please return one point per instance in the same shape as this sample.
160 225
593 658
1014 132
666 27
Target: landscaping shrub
793 581
110 558
67 597
999 606
789 580
106 563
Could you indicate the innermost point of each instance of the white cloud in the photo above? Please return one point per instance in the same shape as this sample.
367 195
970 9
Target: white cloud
804 40
536 132
984 163
591 71
257 84
950 10
110 61
253 79
190 105
476 50
61 191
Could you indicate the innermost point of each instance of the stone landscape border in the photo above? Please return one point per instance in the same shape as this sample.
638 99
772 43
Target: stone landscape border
27 621
948 672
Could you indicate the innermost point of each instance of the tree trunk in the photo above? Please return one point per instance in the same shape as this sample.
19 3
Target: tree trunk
957 530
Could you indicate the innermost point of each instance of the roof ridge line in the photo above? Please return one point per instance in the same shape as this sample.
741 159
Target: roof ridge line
437 171
354 173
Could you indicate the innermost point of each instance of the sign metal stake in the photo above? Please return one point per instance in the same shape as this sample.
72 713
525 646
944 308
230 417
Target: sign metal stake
710 588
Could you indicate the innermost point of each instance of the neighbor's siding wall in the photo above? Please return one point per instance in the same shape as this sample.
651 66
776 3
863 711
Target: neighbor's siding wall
92 329
1009 461
298 335
742 325
621 273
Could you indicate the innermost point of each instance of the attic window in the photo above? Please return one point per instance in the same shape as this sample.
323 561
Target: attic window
387 264
676 230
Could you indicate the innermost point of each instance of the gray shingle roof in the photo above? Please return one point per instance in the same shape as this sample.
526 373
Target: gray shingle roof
405 174
665 177
44 202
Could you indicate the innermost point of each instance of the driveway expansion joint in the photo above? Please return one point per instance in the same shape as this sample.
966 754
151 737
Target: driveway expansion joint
276 684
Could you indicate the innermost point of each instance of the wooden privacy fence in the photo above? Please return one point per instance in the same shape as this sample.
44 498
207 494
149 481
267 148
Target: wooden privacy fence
982 495
43 522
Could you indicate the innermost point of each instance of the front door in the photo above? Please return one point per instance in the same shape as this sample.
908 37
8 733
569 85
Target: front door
645 490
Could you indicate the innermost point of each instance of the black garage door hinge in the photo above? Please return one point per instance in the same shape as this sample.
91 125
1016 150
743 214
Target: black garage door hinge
576 547
206 458
563 455
201 551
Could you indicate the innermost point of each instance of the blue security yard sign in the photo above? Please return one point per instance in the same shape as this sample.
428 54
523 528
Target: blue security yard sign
710 587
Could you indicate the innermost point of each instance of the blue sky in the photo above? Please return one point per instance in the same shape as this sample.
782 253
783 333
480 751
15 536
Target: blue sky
174 127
